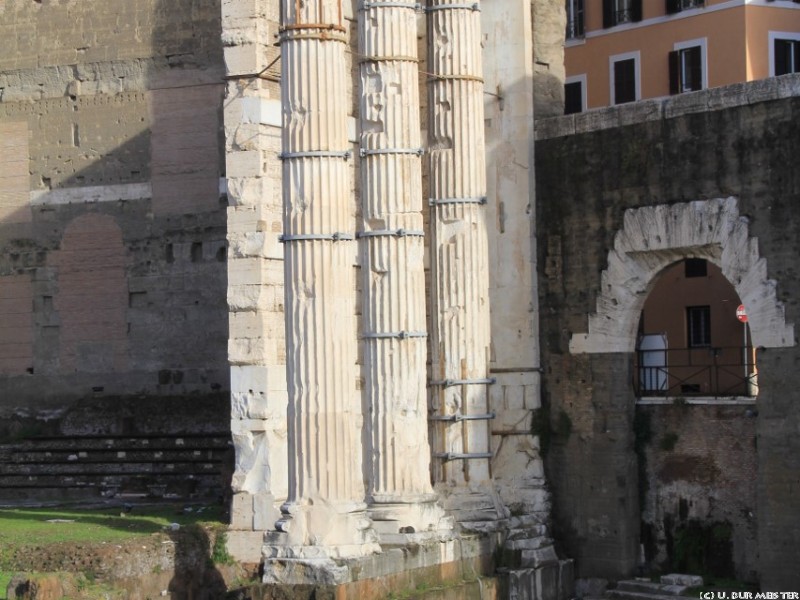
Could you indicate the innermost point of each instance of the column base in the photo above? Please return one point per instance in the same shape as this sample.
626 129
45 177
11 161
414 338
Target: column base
417 521
476 507
321 531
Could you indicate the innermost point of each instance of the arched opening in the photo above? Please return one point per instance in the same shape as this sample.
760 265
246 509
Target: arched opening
695 432
694 341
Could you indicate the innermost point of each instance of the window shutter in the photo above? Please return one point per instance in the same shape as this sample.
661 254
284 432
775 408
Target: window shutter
608 14
636 10
796 48
672 7
782 49
674 72
697 68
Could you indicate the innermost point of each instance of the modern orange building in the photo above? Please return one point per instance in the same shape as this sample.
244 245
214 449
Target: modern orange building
621 51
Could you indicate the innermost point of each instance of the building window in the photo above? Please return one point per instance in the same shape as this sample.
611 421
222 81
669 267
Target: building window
676 6
698 321
786 54
575 94
624 72
617 12
688 67
574 19
695 267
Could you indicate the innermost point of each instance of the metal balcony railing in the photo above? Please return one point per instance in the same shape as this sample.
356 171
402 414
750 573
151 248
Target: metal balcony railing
706 371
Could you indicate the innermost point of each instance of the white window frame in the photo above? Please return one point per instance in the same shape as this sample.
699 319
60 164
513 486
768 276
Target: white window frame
637 61
584 90
779 35
570 9
703 43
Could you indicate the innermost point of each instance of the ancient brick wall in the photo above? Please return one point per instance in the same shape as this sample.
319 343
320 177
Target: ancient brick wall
112 217
730 142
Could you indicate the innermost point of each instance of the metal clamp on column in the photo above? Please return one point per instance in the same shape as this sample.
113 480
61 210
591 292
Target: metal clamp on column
392 232
474 6
459 417
367 152
398 335
473 200
333 237
461 456
367 5
345 154
452 382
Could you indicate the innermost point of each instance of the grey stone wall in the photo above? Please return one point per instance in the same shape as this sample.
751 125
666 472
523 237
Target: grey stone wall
112 220
736 141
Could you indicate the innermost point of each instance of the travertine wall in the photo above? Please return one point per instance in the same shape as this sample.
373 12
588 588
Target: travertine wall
549 27
112 220
598 175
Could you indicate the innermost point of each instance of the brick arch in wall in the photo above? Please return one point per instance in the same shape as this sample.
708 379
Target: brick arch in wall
654 237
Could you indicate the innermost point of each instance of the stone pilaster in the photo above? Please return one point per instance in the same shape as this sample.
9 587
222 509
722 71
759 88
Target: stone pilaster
255 274
459 263
324 516
392 242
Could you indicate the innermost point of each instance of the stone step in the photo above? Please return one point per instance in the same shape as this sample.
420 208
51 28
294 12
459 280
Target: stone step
178 466
626 595
682 579
650 587
124 443
112 456
104 468
16 489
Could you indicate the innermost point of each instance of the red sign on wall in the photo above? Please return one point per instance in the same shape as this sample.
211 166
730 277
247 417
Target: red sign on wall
741 314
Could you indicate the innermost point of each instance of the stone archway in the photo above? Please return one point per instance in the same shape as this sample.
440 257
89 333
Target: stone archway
654 237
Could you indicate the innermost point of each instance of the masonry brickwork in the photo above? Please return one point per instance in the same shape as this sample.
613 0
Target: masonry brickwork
112 220
596 173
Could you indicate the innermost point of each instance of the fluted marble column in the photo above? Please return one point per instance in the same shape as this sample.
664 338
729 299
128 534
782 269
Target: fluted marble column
325 515
392 244
459 260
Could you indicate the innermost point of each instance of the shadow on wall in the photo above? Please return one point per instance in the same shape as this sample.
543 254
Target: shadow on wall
112 223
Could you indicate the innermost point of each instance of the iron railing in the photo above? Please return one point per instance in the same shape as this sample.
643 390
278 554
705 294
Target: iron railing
705 371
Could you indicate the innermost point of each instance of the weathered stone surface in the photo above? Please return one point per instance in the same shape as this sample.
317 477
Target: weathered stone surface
590 187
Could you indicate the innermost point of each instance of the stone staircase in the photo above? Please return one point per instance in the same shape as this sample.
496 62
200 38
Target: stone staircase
41 470
670 587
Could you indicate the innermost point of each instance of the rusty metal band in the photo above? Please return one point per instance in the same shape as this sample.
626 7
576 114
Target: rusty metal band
369 152
395 335
391 232
459 417
311 237
452 382
462 456
416 6
345 154
474 6
389 58
481 200
435 78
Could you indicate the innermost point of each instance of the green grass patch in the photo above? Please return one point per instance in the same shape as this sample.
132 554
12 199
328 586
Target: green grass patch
43 526
5 579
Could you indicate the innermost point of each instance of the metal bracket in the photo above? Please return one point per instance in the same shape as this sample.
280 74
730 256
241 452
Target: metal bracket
333 237
392 232
452 382
367 152
346 154
367 5
399 335
474 6
462 456
473 200
459 417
